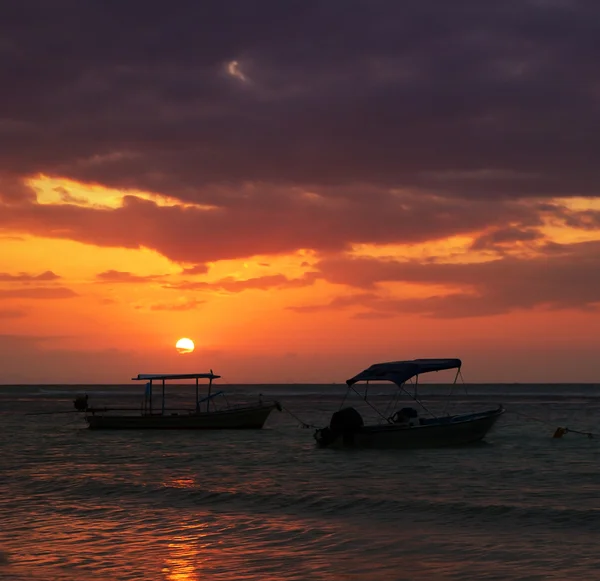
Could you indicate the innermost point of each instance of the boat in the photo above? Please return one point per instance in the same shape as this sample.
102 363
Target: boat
404 429
153 415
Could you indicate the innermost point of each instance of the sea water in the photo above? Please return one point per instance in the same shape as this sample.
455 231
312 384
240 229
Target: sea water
268 505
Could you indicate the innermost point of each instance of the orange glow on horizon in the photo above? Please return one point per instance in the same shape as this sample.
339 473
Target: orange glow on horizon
106 302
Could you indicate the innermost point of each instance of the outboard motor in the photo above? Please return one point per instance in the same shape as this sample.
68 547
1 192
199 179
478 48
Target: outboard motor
347 419
345 422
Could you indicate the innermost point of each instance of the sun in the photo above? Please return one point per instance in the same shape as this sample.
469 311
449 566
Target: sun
185 345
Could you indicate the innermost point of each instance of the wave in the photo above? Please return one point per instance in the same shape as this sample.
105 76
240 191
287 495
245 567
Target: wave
72 497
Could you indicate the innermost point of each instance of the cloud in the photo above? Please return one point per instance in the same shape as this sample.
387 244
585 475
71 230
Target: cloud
11 313
107 301
228 284
187 305
118 276
313 126
196 269
38 293
498 238
276 281
340 302
12 189
569 278
24 277
269 221
68 198
584 220
462 99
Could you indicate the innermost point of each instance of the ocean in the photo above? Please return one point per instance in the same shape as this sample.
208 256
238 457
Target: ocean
268 505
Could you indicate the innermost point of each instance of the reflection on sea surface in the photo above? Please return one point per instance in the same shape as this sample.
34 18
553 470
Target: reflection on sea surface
269 506
183 562
180 483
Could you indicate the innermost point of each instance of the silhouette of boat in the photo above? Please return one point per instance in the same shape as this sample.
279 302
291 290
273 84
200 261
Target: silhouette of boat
404 429
153 415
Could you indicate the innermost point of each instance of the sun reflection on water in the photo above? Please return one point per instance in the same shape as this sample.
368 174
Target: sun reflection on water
179 483
184 562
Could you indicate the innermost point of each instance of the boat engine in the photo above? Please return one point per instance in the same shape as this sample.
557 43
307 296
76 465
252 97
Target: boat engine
345 423
81 403
346 420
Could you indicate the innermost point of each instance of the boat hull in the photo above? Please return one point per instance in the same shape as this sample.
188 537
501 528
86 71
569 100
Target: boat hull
452 431
247 418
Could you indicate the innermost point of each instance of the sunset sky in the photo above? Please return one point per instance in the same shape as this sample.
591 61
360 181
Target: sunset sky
301 187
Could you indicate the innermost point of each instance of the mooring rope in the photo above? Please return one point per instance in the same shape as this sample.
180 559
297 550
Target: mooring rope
302 423
559 431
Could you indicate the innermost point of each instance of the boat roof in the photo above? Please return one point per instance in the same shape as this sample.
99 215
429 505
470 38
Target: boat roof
401 371
152 376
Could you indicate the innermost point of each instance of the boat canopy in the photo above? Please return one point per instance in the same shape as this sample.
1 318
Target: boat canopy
401 371
165 376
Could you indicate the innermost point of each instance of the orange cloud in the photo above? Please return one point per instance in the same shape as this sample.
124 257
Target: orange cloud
38 293
24 277
276 281
568 278
196 269
188 305
11 313
269 221
116 276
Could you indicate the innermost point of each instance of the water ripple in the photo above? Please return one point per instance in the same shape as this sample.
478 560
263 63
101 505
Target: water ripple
268 505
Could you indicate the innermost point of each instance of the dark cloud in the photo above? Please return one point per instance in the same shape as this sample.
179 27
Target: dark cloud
567 279
584 220
281 223
500 237
12 189
312 125
459 98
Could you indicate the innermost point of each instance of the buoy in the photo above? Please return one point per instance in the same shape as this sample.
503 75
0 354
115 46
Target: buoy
560 432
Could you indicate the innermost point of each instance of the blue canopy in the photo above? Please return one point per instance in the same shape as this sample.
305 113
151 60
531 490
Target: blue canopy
400 371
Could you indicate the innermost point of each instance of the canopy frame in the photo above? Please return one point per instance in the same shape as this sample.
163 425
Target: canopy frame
163 377
399 372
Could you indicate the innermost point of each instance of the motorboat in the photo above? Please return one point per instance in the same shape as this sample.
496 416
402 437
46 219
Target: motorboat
405 428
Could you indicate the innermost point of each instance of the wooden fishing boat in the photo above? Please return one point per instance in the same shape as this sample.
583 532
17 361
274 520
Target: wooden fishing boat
153 415
404 428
